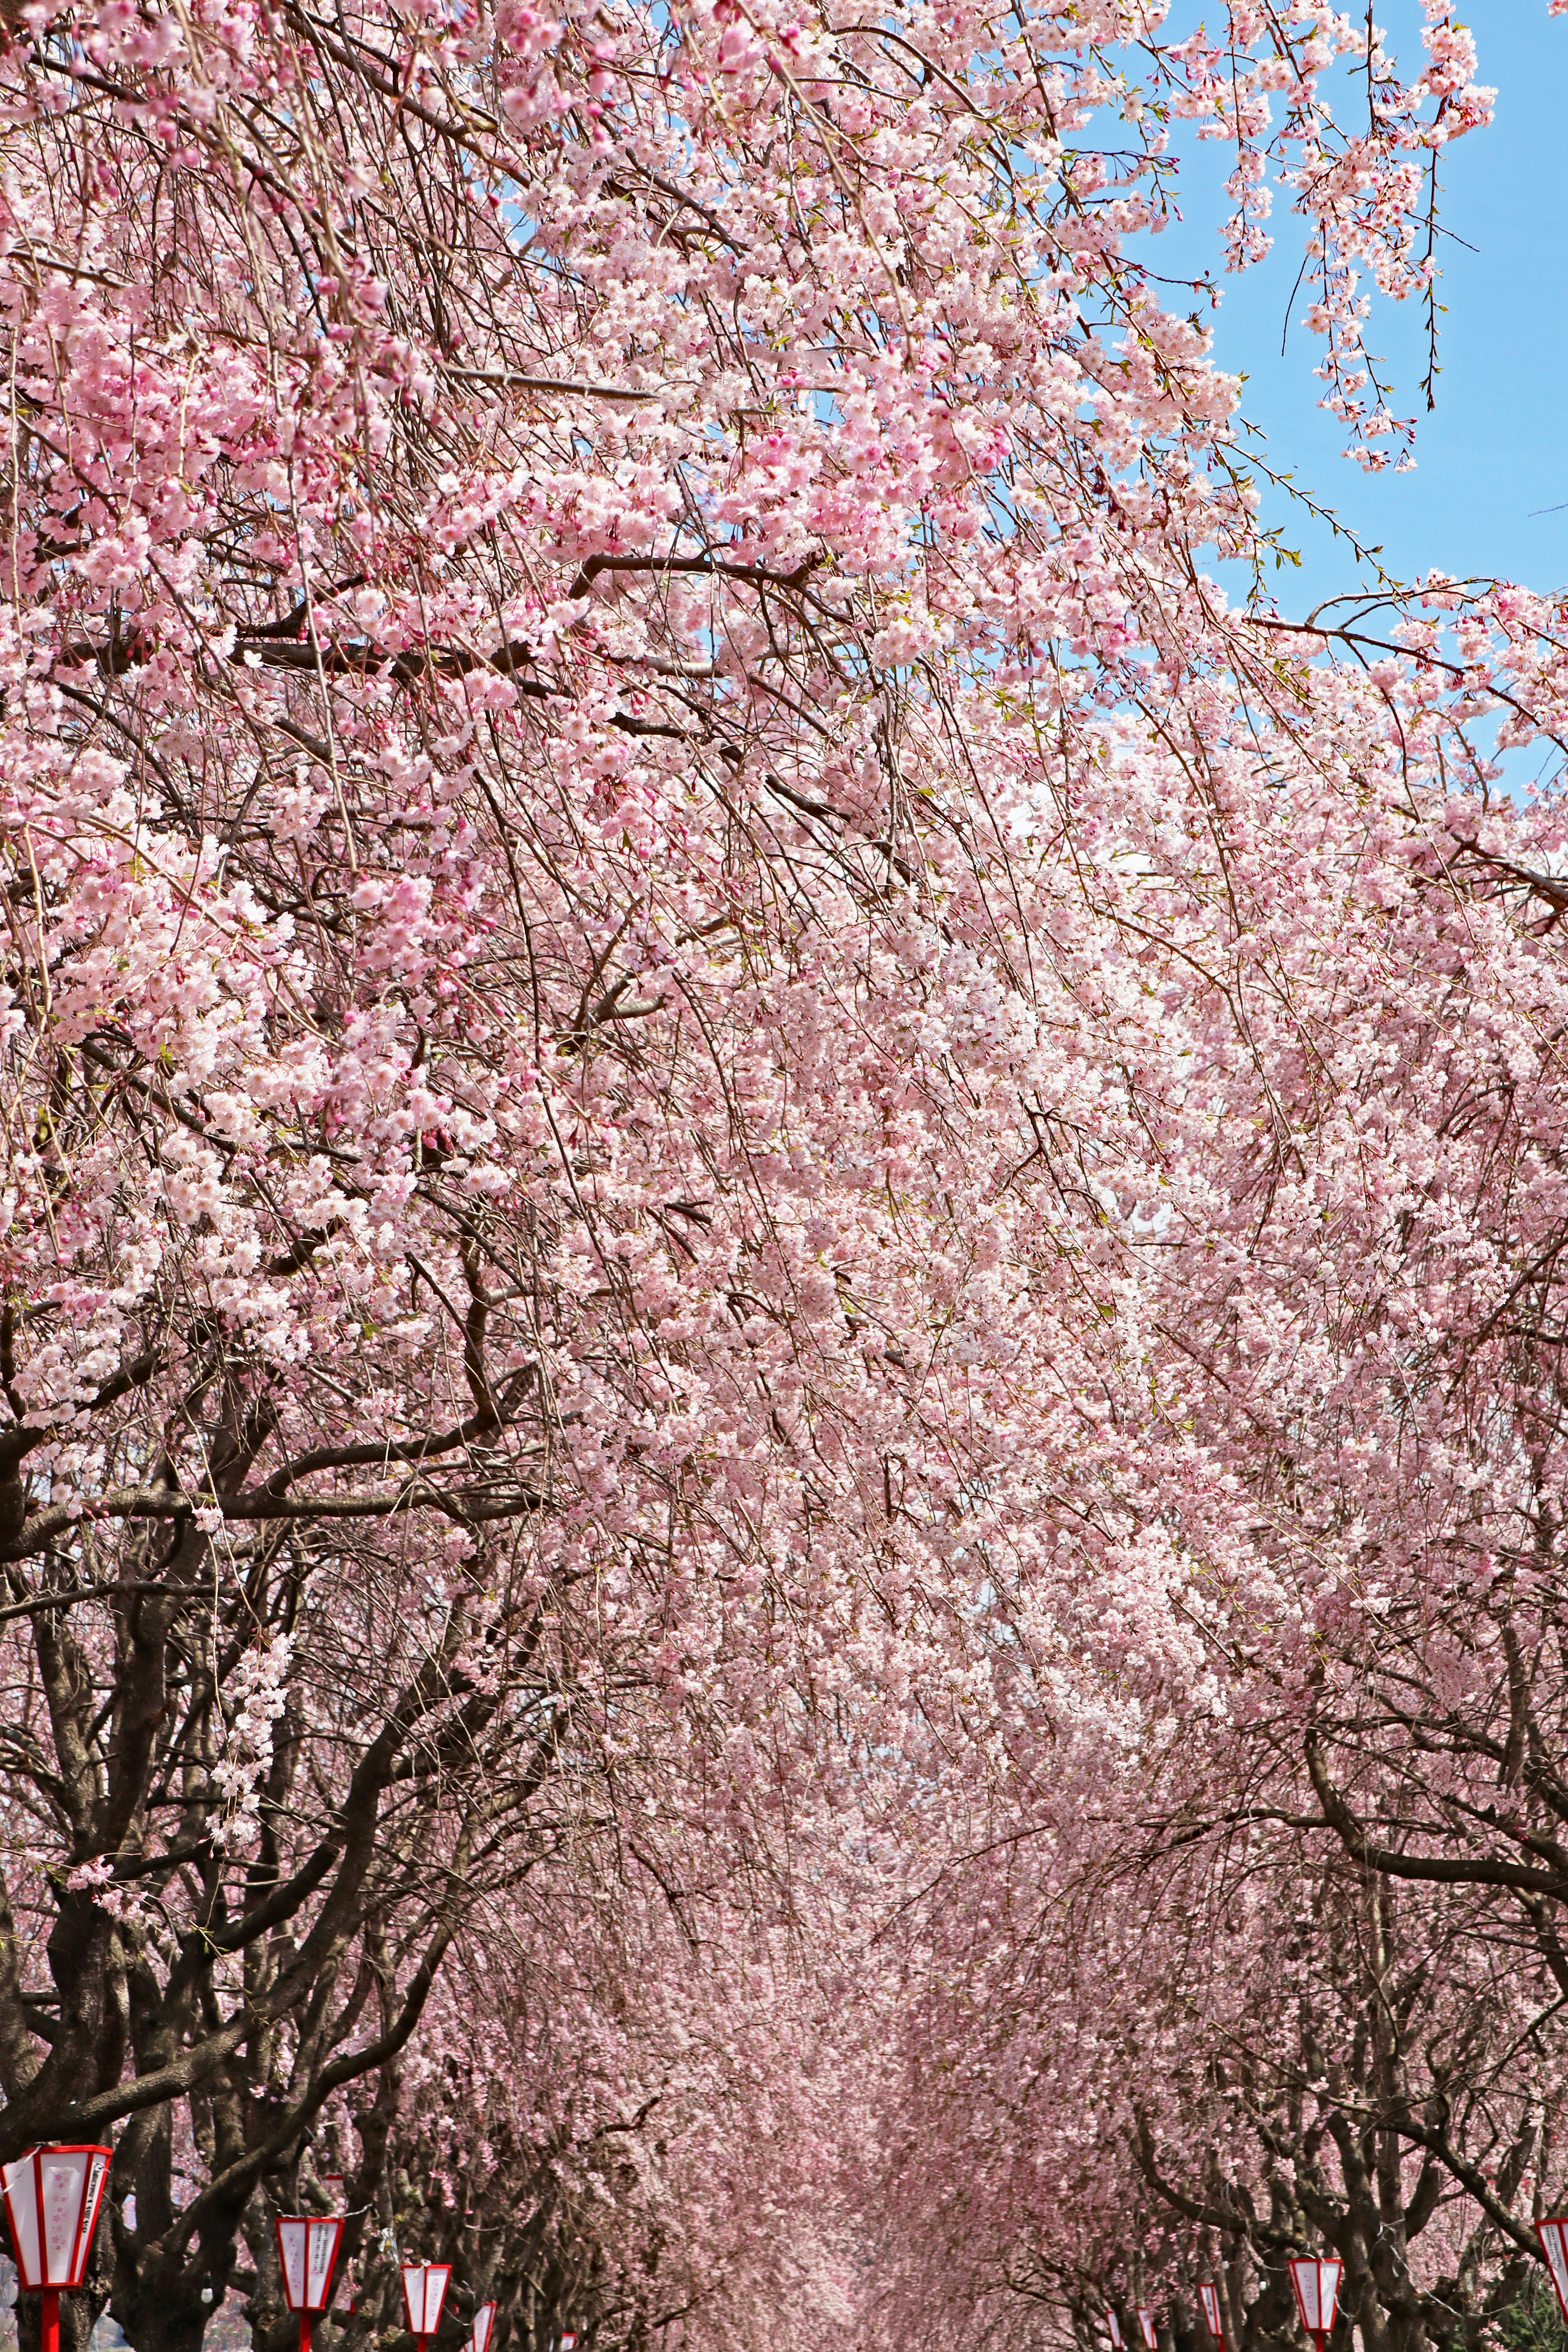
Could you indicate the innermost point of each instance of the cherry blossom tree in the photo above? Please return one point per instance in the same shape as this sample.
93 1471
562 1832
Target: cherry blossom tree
663 950
1351 1228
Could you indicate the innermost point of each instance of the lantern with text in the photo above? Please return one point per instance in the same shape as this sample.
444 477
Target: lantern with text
307 2255
484 2327
424 2292
1208 2295
1115 2326
1553 2235
1146 2328
569 2342
1316 2279
52 2197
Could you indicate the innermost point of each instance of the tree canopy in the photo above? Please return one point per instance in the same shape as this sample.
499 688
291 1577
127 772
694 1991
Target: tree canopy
782 1391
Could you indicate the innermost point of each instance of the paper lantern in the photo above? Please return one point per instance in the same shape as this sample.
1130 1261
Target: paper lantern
1316 2279
307 2254
52 2200
1553 2235
484 2325
424 2292
52 2197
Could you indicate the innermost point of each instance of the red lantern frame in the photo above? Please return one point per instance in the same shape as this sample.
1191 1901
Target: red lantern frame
1146 2328
1114 2325
1316 2279
308 2246
1553 2232
53 2196
425 2316
1208 2295
484 2327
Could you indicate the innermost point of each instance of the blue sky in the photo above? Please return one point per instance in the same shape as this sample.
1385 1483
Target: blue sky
1495 450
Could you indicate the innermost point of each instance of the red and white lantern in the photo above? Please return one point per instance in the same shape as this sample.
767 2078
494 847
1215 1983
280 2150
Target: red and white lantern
52 2200
1114 2325
484 2327
308 2255
1553 2236
424 2292
569 2342
1316 2279
1208 2295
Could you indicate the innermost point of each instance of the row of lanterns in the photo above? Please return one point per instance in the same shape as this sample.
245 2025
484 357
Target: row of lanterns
1316 2279
52 2197
308 2254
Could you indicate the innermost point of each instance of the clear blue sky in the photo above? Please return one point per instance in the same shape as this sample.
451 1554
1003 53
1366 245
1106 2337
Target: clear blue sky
1495 449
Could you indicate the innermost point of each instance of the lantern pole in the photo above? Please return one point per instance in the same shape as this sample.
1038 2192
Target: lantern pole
49 2318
